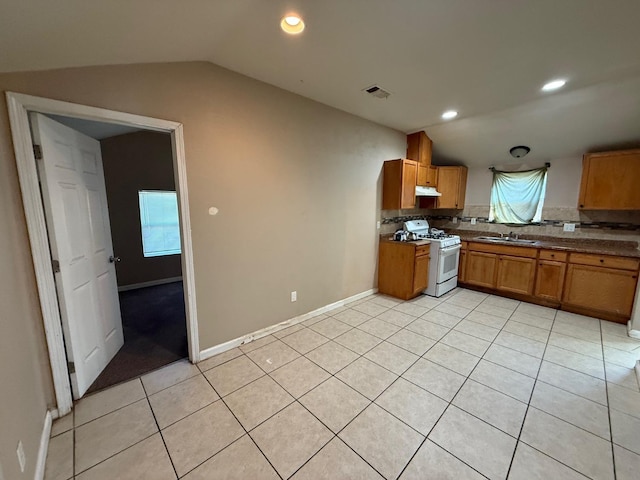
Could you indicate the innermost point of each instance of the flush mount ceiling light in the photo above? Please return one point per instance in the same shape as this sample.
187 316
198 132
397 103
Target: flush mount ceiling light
449 114
292 24
553 85
519 151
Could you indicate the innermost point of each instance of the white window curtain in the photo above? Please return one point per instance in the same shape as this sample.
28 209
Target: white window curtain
159 222
517 197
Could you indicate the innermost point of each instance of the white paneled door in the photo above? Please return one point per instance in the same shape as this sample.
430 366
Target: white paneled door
75 202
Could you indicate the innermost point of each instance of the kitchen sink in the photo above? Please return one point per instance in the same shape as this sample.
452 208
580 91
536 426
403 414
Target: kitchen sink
507 240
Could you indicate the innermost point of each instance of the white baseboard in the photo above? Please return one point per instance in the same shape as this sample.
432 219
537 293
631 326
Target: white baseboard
151 283
44 447
223 347
631 332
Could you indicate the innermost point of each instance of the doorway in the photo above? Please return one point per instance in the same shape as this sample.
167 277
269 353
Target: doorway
19 107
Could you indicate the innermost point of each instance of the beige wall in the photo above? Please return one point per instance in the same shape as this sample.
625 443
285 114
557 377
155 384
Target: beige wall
132 162
563 183
25 377
296 183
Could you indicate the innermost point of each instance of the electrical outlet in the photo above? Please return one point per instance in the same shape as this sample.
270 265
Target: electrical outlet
21 457
378 225
569 227
454 220
473 221
294 296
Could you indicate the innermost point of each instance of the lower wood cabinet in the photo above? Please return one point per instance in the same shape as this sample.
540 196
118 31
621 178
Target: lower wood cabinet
481 269
515 274
403 269
462 264
550 279
602 286
505 268
607 290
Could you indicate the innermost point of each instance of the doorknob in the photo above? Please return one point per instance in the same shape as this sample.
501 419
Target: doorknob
113 259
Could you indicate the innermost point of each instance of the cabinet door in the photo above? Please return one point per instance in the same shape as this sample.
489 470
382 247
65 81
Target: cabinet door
448 179
610 181
423 173
481 269
421 273
597 288
432 176
409 178
419 147
550 279
516 274
462 267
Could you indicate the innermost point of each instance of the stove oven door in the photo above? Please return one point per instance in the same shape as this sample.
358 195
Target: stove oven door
448 260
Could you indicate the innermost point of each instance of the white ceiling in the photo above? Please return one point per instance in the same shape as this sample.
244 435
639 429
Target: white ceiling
486 59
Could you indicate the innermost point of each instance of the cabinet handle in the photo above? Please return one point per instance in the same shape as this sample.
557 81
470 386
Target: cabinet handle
635 276
553 255
581 206
602 260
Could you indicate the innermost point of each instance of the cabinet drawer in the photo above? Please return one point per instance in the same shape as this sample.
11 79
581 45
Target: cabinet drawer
605 261
526 252
422 250
553 255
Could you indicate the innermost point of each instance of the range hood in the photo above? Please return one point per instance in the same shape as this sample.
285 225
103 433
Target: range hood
427 192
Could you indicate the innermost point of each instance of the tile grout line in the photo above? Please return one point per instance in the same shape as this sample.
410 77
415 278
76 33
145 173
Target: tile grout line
246 432
606 386
159 430
468 377
526 413
394 382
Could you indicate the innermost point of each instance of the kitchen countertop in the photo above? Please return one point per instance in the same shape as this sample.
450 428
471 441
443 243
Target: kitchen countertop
620 248
417 243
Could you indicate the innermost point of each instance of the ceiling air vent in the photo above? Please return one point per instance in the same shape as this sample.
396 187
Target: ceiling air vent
377 92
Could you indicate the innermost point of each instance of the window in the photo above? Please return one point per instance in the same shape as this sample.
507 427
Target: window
159 221
517 197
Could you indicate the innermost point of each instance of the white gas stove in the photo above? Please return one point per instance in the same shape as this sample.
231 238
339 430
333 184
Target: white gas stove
445 256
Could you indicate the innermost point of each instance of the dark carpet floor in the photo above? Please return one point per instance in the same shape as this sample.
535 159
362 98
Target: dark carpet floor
155 333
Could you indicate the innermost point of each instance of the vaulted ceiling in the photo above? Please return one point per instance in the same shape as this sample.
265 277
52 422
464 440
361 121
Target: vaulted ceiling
487 59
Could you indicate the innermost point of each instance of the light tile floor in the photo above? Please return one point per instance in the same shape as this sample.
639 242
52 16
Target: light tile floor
467 386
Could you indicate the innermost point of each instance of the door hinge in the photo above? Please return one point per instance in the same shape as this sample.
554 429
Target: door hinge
37 152
56 266
72 367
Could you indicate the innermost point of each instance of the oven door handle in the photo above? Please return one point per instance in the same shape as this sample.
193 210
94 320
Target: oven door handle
451 248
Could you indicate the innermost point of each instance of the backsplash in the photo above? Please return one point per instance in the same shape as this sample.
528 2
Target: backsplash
601 225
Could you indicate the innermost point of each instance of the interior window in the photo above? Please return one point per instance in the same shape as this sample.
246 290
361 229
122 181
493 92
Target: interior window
517 197
160 224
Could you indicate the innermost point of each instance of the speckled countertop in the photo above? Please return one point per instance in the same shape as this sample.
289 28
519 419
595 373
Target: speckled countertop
417 243
606 247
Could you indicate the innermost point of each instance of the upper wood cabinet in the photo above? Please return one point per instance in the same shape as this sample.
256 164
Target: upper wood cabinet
452 184
610 181
419 147
399 184
427 176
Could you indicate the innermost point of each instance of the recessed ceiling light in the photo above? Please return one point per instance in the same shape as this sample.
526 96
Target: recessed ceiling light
553 85
292 24
449 114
